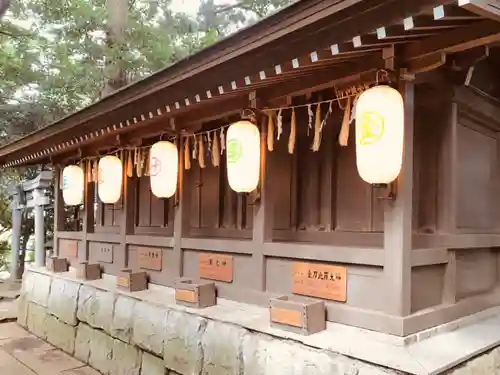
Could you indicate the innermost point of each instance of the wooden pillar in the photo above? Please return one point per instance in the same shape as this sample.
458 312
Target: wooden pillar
58 208
447 197
263 216
398 222
181 220
127 221
88 214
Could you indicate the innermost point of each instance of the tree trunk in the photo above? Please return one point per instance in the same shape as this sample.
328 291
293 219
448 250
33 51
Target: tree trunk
117 11
27 229
4 4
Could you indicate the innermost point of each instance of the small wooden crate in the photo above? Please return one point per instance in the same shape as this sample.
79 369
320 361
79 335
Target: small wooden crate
195 294
86 271
299 316
132 281
57 265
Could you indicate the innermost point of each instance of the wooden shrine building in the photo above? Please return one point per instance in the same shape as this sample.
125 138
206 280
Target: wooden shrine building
417 254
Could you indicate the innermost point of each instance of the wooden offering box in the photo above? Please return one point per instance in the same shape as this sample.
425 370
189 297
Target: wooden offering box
132 281
197 295
56 264
86 271
299 316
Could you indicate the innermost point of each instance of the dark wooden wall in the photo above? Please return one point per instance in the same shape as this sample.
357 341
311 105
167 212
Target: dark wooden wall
322 212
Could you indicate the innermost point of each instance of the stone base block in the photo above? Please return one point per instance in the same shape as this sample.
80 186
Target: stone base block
60 334
22 311
120 335
63 299
36 320
152 365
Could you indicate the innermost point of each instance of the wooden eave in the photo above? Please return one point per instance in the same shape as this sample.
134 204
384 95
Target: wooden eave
308 45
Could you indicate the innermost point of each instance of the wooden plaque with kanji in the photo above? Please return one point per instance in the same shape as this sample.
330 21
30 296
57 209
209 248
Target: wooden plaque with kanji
319 280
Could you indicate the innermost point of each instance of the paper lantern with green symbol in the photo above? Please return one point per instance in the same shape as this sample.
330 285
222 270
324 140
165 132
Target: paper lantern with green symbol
243 156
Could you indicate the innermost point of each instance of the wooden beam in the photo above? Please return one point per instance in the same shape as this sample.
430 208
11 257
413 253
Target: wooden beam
378 41
451 12
488 9
323 78
337 254
63 235
429 257
106 237
426 63
399 32
479 34
222 245
423 22
466 59
470 242
142 240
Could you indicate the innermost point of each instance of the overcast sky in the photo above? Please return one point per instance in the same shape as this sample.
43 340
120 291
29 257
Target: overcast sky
191 6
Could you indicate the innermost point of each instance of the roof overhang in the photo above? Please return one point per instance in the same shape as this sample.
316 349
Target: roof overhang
307 45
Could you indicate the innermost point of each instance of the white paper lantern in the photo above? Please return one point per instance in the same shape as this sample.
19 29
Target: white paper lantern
379 134
163 167
72 185
243 156
110 179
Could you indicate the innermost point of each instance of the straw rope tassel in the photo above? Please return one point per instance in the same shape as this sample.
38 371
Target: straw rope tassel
61 179
270 131
128 157
291 140
201 152
317 129
147 163
138 164
195 147
187 154
90 166
344 131
279 124
88 174
215 151
96 171
222 141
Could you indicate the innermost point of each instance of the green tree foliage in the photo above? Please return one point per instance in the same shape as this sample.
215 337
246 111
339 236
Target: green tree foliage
54 53
55 56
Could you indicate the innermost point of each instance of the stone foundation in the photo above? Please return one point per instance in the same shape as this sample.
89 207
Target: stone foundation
120 333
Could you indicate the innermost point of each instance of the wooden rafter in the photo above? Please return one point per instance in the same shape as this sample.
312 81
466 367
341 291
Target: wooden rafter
457 40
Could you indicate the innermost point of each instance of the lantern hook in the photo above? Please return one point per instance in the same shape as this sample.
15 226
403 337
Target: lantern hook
381 73
388 191
249 114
